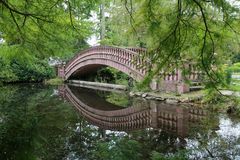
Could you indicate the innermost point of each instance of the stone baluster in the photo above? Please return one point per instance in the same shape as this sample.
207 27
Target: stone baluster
120 55
116 55
124 57
128 59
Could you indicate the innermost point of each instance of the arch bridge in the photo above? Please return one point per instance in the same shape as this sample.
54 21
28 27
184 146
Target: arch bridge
132 61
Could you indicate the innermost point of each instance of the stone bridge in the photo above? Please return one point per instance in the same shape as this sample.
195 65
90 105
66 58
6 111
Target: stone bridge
150 114
132 61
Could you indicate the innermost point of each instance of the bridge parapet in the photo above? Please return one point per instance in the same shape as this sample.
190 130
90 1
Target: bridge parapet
195 74
137 50
123 59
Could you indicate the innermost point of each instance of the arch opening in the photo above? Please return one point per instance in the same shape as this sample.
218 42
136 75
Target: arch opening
102 73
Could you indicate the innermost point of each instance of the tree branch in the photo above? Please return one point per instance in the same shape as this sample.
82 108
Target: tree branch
25 14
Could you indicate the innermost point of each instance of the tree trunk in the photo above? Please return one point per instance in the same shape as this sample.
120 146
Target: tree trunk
102 20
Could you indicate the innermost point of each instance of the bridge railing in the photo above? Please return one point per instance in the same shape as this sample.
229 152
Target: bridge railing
128 58
195 74
137 50
190 71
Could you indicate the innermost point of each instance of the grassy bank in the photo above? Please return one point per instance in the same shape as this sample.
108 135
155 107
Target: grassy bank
54 81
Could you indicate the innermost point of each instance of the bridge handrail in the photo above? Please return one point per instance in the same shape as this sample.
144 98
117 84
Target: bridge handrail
136 49
97 47
139 69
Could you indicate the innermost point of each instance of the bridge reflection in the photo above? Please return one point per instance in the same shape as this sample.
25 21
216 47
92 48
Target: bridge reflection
142 114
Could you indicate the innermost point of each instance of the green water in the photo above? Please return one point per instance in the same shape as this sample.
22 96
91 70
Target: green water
40 122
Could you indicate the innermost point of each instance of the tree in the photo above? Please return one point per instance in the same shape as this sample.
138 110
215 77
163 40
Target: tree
205 32
40 29
49 28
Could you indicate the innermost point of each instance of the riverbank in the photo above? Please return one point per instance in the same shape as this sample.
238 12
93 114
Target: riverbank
172 98
228 103
195 96
54 81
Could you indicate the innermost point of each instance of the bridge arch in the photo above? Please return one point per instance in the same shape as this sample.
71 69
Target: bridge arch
127 60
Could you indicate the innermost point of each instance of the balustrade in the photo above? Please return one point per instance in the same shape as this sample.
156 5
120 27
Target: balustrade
124 57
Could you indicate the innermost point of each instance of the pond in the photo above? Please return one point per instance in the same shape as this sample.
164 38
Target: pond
68 122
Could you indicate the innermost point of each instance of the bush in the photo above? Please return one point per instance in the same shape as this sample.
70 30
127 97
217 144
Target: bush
13 70
180 155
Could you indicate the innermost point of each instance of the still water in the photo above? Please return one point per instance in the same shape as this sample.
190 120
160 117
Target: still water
66 122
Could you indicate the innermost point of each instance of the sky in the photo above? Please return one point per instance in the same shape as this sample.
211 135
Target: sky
93 40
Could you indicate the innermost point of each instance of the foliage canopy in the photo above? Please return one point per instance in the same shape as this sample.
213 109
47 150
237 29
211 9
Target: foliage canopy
204 32
32 31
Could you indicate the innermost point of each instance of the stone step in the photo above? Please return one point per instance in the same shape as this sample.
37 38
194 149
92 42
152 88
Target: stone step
196 88
196 83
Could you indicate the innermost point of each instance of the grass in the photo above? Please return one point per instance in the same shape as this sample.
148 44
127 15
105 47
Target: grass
54 81
234 87
193 94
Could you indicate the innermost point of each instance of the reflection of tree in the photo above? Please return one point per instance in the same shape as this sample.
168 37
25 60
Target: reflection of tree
136 145
120 99
34 123
158 140
203 142
17 127
208 143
